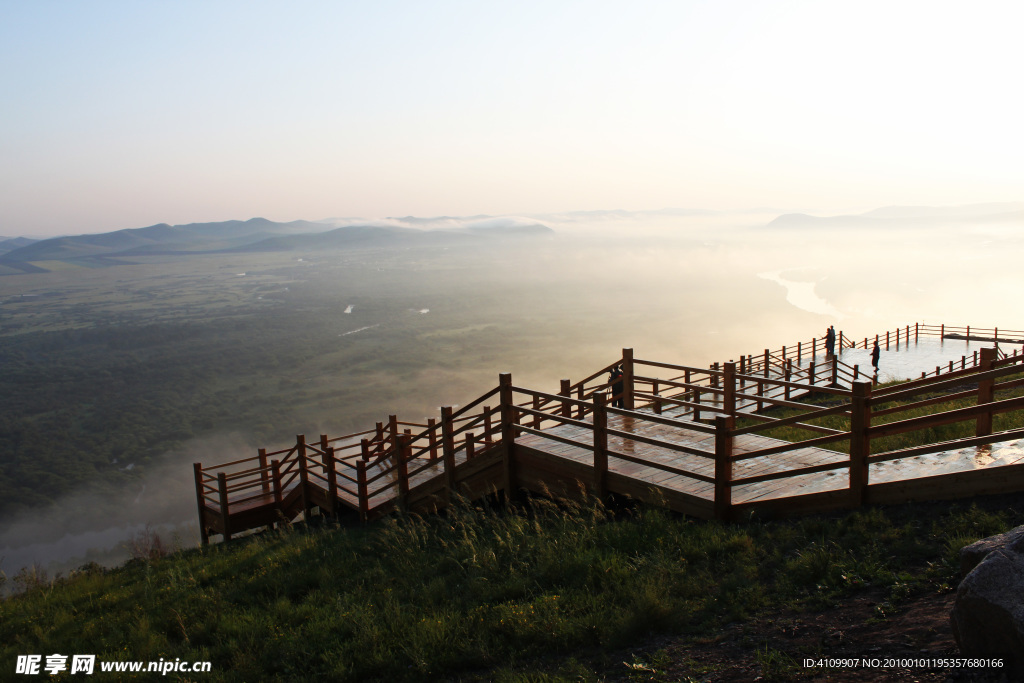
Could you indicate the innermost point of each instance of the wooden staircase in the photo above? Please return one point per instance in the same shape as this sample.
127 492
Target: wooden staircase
674 441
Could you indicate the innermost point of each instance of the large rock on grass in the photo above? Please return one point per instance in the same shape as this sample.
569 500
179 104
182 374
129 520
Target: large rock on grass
988 615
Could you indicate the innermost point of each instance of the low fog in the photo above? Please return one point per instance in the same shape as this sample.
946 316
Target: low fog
435 327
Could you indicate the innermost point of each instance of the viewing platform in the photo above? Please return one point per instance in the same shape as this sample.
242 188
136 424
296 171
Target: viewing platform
691 439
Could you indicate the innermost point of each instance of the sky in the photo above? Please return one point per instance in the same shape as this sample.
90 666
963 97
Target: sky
125 114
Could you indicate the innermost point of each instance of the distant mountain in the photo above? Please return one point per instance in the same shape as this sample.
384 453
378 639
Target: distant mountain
909 216
366 236
160 238
969 211
255 235
11 243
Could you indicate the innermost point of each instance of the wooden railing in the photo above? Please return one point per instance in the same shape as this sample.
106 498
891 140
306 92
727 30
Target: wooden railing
370 470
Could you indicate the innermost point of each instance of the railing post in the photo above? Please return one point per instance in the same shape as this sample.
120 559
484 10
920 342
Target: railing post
887 340
448 450
657 403
264 474
487 427
332 478
627 379
222 487
364 494
798 352
300 452
714 375
402 451
275 470
766 362
729 380
789 377
536 406
986 392
942 331
723 466
696 407
860 441
508 432
470 445
380 437
915 333
432 430
564 389
197 469
835 370
364 445
812 372
600 444
393 431
579 397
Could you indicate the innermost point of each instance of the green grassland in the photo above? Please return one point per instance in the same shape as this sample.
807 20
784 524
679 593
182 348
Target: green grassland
541 592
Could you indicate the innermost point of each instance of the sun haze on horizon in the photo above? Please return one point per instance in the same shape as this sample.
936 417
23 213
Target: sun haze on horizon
120 115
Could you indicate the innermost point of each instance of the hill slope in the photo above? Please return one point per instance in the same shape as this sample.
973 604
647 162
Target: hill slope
255 235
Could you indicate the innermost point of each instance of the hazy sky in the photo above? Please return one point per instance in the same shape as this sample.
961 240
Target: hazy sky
124 114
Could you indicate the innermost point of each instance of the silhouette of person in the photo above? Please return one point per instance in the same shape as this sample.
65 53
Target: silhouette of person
875 353
615 379
830 341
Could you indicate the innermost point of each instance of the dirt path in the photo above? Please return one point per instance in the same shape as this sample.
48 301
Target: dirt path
775 648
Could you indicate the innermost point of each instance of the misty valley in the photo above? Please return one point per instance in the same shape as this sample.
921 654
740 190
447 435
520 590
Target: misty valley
118 374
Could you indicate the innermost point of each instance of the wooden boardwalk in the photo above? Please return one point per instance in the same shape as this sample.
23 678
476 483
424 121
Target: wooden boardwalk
779 488
673 442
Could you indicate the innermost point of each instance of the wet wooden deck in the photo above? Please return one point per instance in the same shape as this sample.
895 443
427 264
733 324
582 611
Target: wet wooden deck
837 480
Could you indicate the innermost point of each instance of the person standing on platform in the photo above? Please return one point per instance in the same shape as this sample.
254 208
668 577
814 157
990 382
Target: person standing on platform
830 341
875 354
615 379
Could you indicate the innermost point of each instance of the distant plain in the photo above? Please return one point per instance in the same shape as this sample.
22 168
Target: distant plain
115 379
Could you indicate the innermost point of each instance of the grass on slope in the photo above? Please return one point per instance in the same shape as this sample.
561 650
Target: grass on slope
480 593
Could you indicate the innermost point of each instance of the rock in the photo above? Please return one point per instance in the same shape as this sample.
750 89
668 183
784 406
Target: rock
988 615
974 553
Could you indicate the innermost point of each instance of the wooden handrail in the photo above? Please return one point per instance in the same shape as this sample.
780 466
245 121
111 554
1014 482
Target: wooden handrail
474 403
946 417
794 420
792 446
785 474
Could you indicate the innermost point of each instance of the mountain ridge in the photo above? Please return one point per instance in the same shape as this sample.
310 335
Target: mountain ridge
253 235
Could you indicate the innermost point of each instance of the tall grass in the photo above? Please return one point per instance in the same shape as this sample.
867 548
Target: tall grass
478 592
